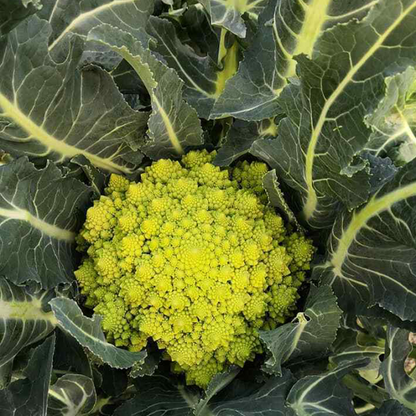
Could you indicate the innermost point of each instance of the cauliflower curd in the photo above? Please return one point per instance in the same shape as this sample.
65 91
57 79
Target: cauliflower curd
193 258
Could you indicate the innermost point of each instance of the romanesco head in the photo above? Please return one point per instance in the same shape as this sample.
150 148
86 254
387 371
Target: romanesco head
192 258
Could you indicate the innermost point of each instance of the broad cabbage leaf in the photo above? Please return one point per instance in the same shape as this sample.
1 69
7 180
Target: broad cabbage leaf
88 332
173 125
71 395
316 153
40 212
23 322
371 251
323 394
49 109
29 395
308 336
13 12
400 386
228 14
287 28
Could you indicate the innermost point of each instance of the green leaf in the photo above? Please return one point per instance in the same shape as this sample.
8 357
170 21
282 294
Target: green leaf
353 307
287 28
216 385
69 355
149 365
277 199
325 127
95 178
358 352
53 110
364 390
249 399
353 347
40 213
394 121
80 17
71 395
228 13
23 321
198 28
371 251
159 395
173 125
114 381
129 83
392 408
200 75
29 395
240 138
323 394
13 12
310 337
89 334
400 386
382 170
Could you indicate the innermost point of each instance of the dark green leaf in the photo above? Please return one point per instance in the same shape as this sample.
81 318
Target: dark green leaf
53 110
198 73
400 386
325 127
240 138
394 121
95 178
392 408
217 384
29 395
173 124
158 395
22 322
149 365
228 13
40 213
264 400
114 381
70 356
351 347
372 251
199 29
310 337
131 85
382 170
357 347
71 395
287 28
278 200
80 17
13 12
324 394
89 334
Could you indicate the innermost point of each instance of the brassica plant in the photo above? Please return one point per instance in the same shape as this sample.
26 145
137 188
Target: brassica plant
207 207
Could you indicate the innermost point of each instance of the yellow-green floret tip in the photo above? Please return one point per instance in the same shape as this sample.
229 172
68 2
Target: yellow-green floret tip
193 258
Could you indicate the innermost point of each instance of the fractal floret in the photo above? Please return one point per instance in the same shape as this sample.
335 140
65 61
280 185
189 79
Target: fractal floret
193 258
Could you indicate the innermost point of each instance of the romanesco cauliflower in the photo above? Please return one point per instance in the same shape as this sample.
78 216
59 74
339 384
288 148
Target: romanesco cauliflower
193 258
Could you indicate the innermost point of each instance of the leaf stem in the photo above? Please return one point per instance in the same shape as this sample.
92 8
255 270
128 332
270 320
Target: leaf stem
364 409
229 68
222 51
369 393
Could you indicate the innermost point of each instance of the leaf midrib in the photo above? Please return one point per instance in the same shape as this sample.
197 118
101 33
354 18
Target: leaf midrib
36 132
45 228
311 202
374 207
